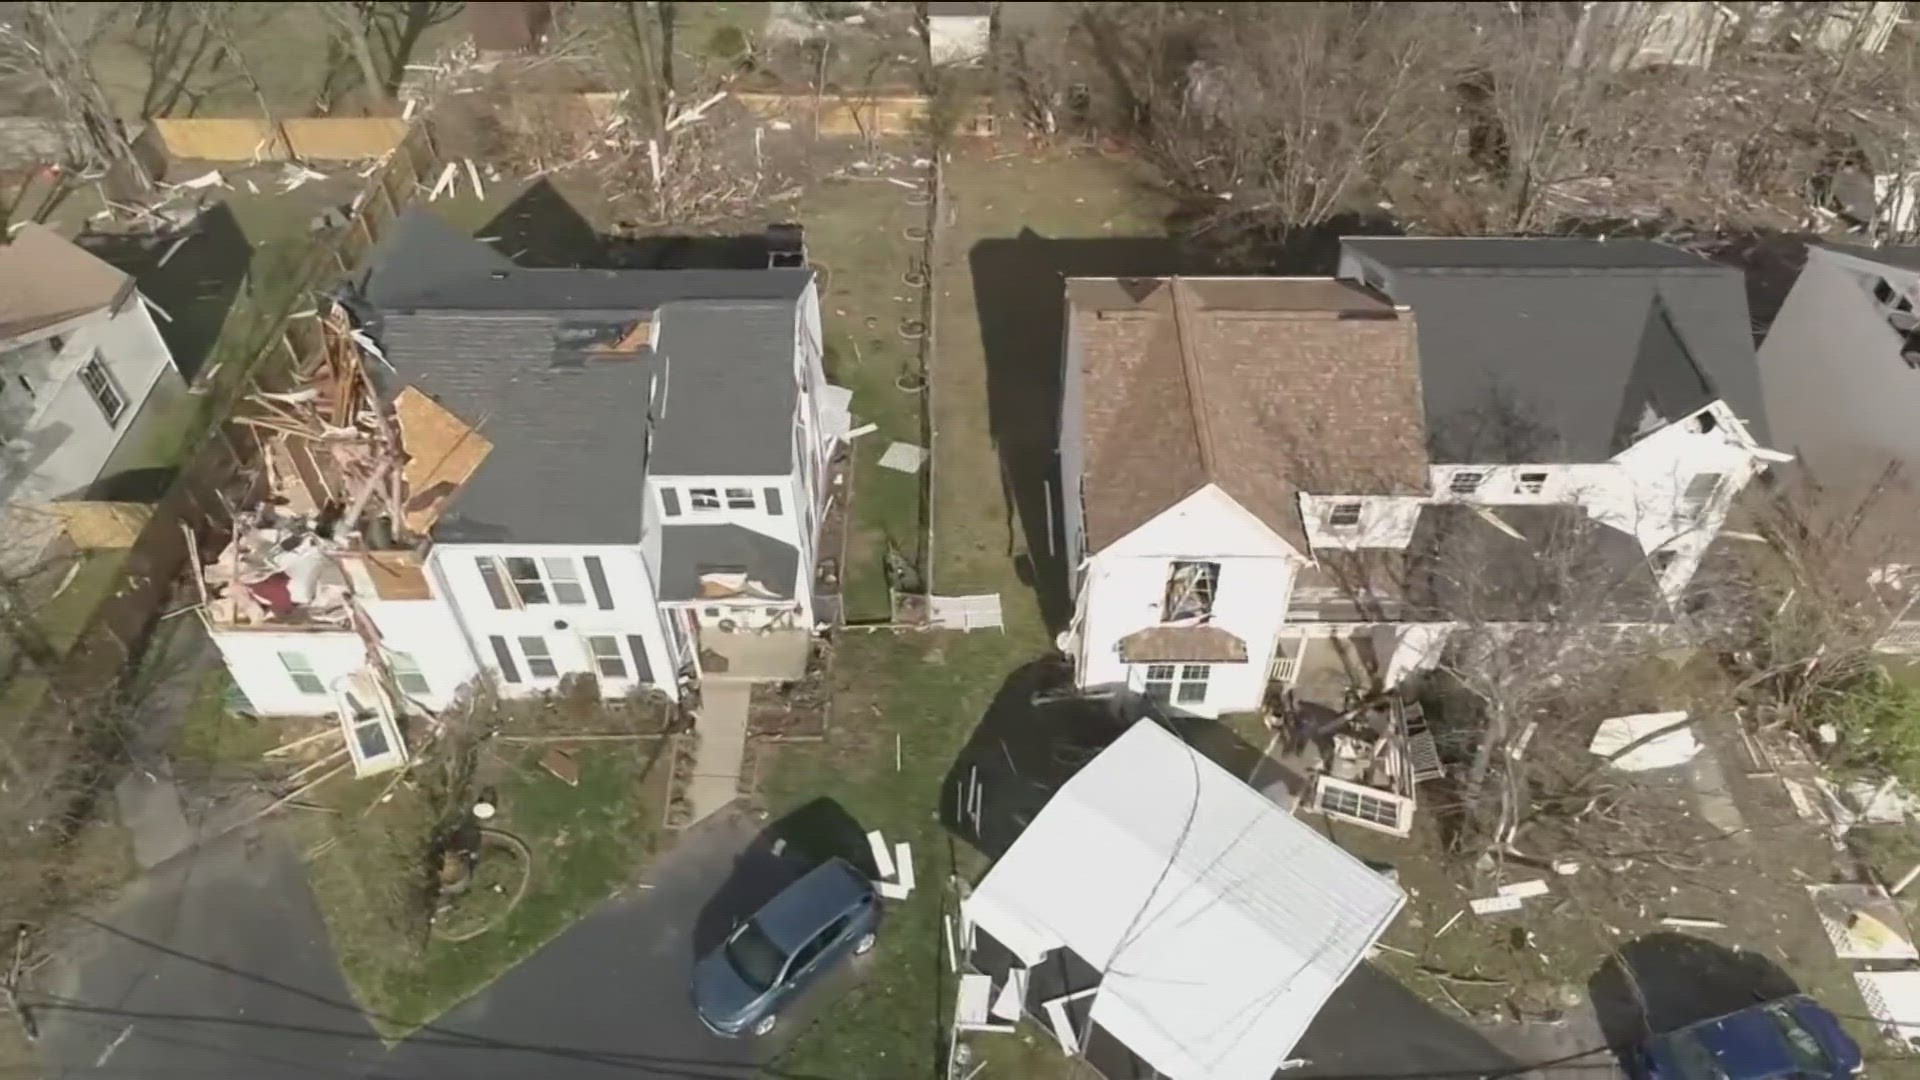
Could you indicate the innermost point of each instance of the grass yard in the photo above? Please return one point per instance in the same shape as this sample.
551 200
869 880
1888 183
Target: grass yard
586 842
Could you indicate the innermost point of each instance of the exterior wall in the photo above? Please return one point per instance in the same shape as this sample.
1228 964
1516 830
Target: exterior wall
1123 587
1839 397
71 439
792 526
1385 521
253 659
457 577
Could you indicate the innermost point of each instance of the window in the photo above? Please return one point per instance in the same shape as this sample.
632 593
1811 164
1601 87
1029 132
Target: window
670 502
1700 491
1358 805
94 376
539 661
503 657
597 577
1465 481
1190 589
704 498
407 675
1180 684
1531 483
740 499
550 580
607 661
1344 515
496 585
772 495
300 669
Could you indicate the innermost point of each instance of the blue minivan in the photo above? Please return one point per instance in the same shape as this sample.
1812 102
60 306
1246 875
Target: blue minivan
815 923
1794 1038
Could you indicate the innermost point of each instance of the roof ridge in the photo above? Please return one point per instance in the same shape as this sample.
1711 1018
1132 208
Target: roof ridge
1195 382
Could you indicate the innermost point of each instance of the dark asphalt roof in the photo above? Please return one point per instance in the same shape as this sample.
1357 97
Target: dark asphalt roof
1565 566
1906 258
730 390
687 551
569 455
803 908
569 432
1557 350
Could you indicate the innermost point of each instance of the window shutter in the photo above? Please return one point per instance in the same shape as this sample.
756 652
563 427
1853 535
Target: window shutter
642 668
495 582
504 657
670 502
773 501
597 577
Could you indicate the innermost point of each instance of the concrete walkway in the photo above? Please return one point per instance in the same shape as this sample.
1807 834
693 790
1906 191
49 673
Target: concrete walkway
723 746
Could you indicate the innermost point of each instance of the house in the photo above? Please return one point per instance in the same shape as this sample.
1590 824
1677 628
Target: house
1253 464
959 33
1201 927
1840 368
616 473
79 357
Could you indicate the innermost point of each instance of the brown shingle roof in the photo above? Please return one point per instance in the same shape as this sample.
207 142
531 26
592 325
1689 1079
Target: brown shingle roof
1182 644
45 279
1268 387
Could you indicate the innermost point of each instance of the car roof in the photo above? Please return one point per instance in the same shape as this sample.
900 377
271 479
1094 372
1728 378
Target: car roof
804 907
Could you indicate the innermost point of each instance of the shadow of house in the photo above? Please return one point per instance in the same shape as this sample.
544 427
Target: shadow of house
1661 982
196 288
542 229
1019 291
1346 1038
780 855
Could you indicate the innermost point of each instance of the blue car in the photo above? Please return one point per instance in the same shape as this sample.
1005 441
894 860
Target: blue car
815 923
1793 1038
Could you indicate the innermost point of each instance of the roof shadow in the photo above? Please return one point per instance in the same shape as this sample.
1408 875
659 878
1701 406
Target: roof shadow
780 855
1661 982
542 229
1019 291
196 287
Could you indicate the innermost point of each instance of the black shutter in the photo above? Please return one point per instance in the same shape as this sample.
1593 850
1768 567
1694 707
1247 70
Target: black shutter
496 588
597 578
773 501
670 501
504 657
642 669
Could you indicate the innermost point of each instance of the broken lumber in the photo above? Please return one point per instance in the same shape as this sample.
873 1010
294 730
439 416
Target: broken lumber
289 747
1690 923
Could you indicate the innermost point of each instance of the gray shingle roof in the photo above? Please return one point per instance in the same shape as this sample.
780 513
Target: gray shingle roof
569 455
687 551
1543 350
1567 567
730 390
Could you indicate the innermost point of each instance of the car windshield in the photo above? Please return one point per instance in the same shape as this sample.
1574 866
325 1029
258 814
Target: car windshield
755 956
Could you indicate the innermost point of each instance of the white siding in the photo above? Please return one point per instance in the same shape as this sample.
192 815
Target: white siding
253 659
1385 521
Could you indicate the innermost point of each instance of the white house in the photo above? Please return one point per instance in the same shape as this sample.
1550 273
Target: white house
79 355
619 473
1253 464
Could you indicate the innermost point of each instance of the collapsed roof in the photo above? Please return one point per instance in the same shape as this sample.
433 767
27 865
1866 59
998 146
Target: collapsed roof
1536 350
562 368
1267 387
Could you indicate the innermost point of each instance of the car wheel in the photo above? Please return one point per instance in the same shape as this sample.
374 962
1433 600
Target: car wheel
864 945
765 1026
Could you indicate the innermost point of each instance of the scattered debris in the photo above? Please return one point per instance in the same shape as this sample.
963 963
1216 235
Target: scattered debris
1493 905
903 457
1668 741
1893 1000
202 182
1525 889
1687 922
1862 922
562 765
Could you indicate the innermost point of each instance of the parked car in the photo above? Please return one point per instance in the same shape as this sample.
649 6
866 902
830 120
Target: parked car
815 923
1793 1038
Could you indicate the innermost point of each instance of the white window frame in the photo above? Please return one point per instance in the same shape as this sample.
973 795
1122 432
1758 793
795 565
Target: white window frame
1531 482
407 674
1358 804
1461 482
1185 683
1337 510
557 576
741 498
298 668
598 660
529 659
101 387
380 716
703 500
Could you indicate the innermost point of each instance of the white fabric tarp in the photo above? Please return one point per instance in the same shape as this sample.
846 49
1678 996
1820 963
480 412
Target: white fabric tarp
1676 747
1222 923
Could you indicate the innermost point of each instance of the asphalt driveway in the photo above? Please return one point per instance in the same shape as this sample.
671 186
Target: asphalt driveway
218 964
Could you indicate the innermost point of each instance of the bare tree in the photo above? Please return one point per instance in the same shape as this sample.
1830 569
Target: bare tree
352 21
51 46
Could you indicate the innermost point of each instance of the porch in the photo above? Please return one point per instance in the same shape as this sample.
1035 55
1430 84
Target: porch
773 655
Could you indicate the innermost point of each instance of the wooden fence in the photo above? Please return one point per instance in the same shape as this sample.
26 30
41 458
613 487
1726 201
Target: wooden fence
344 138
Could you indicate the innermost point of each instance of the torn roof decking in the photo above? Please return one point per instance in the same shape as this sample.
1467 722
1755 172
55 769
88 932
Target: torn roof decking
1545 350
1267 387
501 348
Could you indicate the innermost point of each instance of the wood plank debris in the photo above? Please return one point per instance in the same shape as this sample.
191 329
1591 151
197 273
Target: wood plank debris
882 856
1493 905
1687 922
1524 889
562 765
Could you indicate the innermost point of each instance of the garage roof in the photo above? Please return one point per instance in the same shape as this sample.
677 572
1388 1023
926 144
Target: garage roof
1222 923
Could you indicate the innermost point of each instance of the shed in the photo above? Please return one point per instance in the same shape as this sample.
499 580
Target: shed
1221 924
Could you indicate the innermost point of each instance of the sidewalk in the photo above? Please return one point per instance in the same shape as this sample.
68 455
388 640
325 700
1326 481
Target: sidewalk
722 727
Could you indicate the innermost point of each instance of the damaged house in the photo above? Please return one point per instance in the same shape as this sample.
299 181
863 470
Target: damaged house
534 474
1254 465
